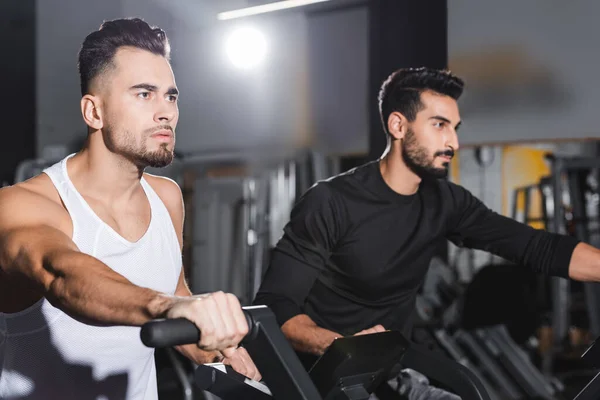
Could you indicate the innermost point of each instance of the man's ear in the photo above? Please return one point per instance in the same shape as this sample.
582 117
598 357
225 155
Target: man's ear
91 111
397 125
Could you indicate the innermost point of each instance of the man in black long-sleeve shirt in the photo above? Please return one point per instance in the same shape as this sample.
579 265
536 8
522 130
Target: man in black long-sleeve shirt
358 245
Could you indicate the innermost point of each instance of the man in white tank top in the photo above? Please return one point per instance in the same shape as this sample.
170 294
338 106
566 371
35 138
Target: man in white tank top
91 249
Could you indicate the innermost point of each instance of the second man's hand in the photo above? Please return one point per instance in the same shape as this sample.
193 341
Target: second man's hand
375 329
240 361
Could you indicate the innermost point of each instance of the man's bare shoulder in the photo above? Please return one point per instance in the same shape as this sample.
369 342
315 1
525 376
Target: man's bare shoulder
33 202
167 189
170 193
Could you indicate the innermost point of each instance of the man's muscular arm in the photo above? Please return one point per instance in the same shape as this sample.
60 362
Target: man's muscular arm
33 248
73 281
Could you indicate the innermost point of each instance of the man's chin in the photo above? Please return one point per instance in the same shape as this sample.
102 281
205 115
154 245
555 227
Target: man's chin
439 174
160 163
157 161
435 173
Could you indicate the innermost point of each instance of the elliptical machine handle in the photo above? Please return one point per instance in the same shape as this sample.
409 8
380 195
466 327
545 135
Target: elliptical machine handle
178 331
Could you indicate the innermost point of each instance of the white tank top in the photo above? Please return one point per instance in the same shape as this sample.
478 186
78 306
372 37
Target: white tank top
46 354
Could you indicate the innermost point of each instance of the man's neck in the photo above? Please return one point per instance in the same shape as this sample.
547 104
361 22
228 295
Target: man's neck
397 175
104 176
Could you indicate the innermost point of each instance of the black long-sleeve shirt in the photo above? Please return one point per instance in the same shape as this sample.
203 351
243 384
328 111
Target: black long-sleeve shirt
355 252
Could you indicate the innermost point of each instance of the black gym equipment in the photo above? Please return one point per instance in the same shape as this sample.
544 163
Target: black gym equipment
492 356
592 358
485 325
351 369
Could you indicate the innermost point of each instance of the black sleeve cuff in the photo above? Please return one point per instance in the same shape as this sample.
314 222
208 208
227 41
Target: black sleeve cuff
563 251
550 253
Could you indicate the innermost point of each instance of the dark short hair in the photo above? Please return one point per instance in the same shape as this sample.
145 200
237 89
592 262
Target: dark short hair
401 91
99 47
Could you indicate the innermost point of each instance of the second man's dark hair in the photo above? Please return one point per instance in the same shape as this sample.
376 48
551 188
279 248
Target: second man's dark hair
401 91
99 47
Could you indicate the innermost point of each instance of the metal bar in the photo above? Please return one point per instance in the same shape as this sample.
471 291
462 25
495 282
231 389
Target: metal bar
486 362
577 204
181 375
248 238
507 356
189 185
591 391
526 205
520 363
515 203
560 287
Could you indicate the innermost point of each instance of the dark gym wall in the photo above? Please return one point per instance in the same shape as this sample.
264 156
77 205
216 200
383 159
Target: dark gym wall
17 27
402 33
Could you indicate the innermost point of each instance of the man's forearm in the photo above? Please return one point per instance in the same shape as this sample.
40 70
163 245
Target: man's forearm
585 263
77 283
305 336
92 290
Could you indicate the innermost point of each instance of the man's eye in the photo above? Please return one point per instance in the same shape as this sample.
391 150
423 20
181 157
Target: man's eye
144 95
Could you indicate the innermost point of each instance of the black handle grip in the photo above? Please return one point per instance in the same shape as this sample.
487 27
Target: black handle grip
169 332
178 331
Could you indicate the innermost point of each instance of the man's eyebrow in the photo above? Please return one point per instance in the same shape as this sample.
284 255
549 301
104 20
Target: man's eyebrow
153 88
147 86
439 117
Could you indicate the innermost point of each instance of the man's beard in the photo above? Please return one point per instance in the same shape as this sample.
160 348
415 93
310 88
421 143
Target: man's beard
139 155
417 159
